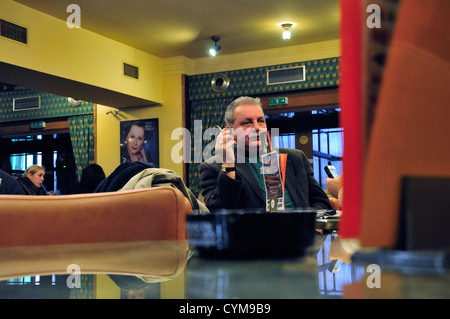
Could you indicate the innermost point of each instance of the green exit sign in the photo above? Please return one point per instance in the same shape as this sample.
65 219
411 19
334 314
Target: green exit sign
278 101
34 125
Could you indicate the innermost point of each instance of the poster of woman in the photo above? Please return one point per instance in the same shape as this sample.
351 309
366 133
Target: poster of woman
139 141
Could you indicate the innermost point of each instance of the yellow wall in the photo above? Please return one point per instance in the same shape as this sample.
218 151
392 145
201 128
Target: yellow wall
78 54
169 116
105 288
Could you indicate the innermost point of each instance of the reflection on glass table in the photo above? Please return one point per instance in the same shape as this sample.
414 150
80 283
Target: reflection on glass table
312 276
326 271
335 271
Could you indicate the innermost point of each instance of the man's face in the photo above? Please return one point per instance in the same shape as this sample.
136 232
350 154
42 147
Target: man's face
248 121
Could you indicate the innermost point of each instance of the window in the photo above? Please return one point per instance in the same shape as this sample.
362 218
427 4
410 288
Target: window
327 150
52 151
335 274
29 280
21 161
284 140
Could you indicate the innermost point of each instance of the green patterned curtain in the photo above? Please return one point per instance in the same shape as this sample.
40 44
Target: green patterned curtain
82 136
204 114
86 290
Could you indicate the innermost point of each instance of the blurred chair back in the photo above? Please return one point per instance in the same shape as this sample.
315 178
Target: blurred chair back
410 131
138 232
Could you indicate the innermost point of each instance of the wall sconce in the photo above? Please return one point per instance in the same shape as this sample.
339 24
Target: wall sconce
213 51
73 102
286 30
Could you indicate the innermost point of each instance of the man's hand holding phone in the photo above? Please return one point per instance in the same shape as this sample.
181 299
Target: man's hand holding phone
331 171
224 146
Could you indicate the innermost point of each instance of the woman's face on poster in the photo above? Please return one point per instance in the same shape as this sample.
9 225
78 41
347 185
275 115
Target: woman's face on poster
135 139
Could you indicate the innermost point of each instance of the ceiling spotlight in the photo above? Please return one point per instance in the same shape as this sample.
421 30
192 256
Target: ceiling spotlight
286 30
213 51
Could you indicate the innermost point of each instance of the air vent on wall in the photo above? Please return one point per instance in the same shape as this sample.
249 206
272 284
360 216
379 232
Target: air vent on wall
26 103
131 70
280 76
13 31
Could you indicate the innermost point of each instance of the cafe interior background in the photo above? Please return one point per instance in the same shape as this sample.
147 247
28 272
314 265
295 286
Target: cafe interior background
75 78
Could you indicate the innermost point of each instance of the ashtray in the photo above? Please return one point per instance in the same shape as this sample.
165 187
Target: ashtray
251 233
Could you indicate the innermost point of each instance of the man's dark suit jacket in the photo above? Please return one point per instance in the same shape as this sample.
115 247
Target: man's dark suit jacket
9 185
220 191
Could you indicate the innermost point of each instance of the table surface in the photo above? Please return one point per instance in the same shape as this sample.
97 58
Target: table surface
326 271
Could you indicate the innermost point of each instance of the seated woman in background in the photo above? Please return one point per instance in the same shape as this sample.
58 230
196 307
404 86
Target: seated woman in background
32 180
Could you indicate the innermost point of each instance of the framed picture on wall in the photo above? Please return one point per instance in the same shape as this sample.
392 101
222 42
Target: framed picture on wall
139 141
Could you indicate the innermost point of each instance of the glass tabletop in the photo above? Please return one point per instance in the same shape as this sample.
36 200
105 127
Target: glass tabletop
325 271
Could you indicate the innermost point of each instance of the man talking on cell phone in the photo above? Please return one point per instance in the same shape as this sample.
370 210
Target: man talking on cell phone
233 178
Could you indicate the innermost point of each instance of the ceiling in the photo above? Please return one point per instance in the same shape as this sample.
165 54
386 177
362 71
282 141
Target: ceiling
168 28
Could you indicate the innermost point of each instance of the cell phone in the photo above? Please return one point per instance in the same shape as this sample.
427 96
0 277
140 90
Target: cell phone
331 171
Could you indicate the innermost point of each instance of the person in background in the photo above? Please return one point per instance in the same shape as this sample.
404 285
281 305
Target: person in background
32 180
9 185
132 149
336 189
227 183
91 176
